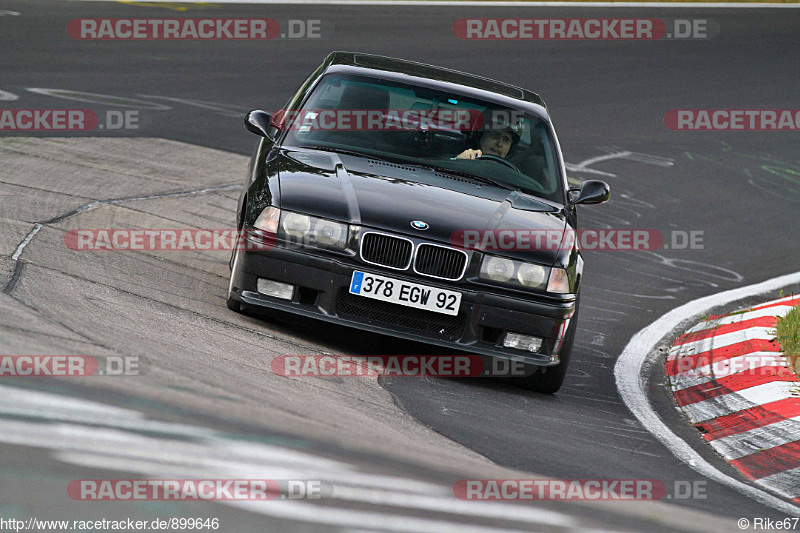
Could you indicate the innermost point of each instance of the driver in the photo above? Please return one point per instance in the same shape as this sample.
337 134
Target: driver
497 137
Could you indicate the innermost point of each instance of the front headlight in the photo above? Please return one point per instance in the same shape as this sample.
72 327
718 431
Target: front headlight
531 275
497 269
513 273
295 225
329 233
312 231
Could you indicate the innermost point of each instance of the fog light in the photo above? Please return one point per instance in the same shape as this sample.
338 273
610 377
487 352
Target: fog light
522 342
284 291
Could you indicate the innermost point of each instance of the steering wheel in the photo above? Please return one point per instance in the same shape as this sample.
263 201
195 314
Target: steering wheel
500 160
534 184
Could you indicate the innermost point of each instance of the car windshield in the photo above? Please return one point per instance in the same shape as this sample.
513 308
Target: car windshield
424 126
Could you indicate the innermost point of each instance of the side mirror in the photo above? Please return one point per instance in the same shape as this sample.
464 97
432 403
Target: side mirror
258 122
592 192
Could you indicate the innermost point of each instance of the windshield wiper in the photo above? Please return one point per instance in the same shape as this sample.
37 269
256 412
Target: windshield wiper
474 177
356 153
482 179
340 151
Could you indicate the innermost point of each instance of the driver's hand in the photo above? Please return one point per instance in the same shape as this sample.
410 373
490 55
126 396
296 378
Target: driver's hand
469 154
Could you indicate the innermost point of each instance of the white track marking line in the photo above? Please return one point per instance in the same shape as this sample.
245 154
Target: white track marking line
214 455
776 311
347 486
95 98
616 153
720 341
726 368
635 362
95 203
739 400
757 439
224 109
26 241
294 510
792 297
786 482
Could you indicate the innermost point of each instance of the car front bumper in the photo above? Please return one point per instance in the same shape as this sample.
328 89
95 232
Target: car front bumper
322 292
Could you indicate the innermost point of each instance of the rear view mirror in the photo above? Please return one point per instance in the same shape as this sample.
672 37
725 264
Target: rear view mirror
591 192
258 122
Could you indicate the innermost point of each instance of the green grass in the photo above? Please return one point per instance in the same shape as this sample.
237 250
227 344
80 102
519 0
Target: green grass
788 334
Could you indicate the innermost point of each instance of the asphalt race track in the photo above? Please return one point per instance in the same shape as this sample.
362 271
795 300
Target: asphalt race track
207 404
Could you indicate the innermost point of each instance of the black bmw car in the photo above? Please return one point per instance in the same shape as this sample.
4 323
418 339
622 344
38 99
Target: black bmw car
408 200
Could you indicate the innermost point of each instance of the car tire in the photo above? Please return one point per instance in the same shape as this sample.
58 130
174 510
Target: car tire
548 380
233 305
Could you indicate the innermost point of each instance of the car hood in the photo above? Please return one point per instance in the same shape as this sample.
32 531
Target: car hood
389 196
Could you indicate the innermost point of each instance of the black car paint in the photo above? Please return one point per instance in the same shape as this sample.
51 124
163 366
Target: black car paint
370 193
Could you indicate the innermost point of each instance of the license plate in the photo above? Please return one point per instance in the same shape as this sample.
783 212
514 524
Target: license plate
405 293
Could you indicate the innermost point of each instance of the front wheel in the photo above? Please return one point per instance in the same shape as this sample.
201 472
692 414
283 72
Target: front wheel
233 305
548 380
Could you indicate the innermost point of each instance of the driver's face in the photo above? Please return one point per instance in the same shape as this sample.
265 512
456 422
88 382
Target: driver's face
496 143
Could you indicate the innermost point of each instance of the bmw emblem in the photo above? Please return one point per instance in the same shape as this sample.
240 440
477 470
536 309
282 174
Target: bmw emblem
420 225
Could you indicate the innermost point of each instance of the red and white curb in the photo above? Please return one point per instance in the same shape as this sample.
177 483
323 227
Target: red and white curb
731 381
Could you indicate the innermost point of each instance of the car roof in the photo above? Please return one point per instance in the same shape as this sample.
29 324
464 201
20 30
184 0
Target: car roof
422 70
